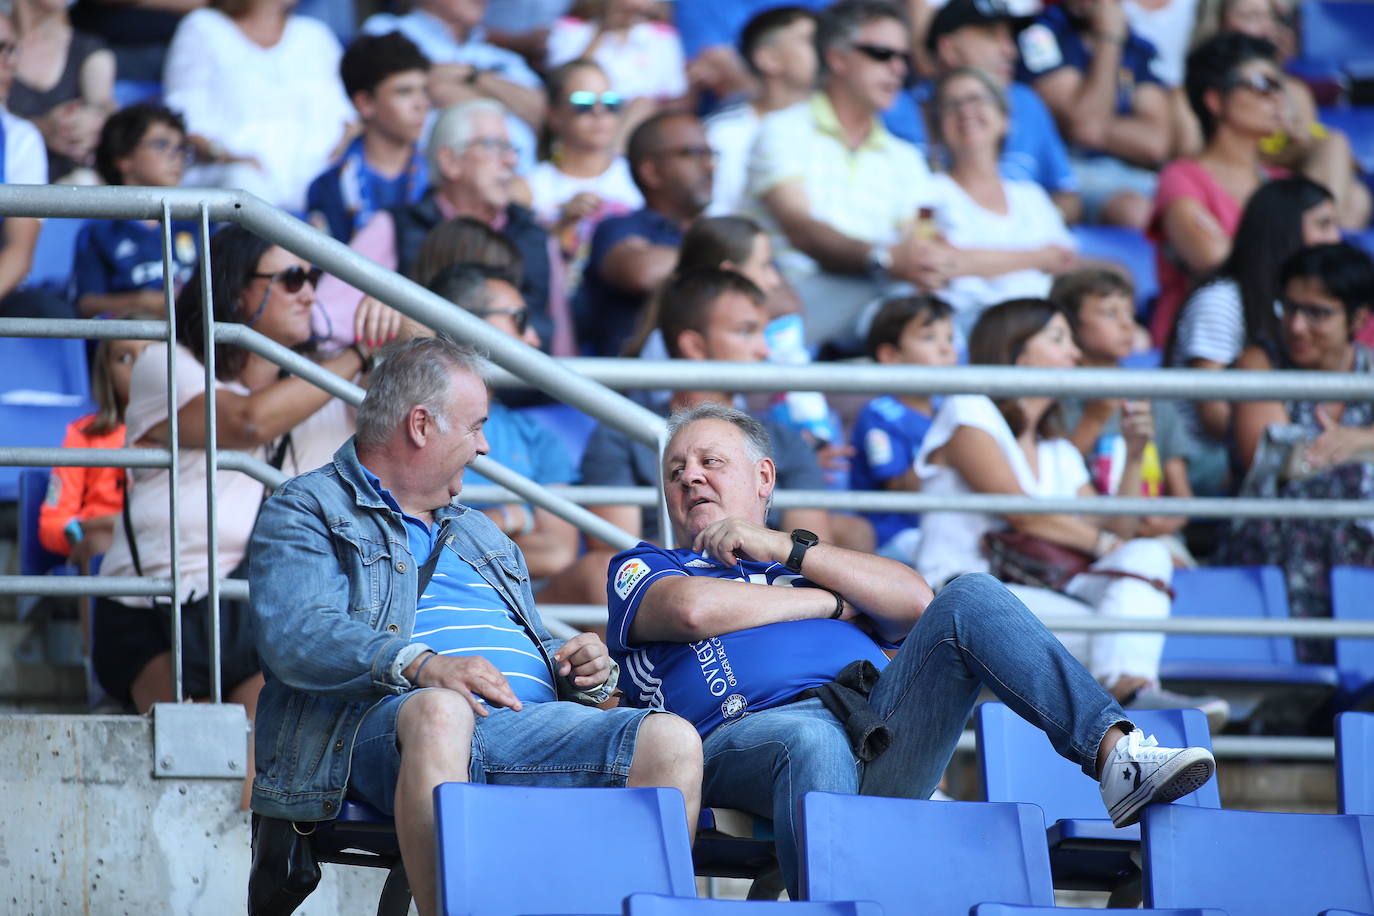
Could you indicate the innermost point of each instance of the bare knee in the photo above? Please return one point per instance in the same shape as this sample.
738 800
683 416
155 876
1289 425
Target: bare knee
667 751
433 720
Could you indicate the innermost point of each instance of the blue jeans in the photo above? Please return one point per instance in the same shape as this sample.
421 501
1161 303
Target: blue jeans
557 744
974 633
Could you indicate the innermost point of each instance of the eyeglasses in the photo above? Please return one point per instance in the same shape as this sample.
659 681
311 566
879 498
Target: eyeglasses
293 278
521 316
881 54
498 145
164 145
960 102
702 153
8 48
584 102
1313 314
1263 83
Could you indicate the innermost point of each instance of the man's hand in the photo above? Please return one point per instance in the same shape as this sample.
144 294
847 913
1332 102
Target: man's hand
584 660
471 676
1108 19
1137 426
733 539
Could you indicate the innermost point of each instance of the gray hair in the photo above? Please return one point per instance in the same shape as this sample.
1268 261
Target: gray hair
453 129
757 443
838 23
412 373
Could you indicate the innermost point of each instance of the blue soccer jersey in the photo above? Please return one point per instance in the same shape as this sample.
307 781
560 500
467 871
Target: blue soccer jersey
887 435
123 255
724 677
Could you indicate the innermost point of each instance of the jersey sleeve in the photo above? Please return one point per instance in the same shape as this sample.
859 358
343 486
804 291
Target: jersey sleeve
89 268
883 446
630 574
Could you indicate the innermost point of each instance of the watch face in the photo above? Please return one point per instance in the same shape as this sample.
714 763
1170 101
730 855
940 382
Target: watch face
802 536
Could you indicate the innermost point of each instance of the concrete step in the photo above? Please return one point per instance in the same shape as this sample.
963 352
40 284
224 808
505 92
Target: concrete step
36 685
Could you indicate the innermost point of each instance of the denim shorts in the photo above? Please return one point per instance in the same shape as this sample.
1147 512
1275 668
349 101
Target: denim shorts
560 744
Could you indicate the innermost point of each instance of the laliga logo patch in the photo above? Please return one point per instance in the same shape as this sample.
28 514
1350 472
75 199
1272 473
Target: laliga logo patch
629 573
734 705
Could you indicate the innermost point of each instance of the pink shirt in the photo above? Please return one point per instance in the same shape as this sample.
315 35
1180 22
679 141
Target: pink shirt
1179 179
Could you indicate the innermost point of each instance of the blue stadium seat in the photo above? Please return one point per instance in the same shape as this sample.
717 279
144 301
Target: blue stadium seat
479 825
1017 763
1354 775
659 905
736 844
571 425
1258 675
922 856
1337 32
43 387
54 255
1007 909
1356 123
1130 249
1351 588
1257 863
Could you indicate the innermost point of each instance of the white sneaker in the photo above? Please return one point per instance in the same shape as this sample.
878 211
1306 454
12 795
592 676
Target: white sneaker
1139 772
1217 710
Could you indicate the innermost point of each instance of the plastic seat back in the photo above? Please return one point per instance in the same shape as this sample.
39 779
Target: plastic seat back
1337 32
54 255
1127 247
1257 863
1354 775
1352 598
1005 909
659 905
1229 591
1017 763
485 831
922 856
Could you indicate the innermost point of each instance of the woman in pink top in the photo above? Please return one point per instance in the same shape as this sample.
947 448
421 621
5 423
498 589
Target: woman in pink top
1235 88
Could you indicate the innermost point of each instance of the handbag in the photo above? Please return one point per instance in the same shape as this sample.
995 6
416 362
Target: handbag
1027 559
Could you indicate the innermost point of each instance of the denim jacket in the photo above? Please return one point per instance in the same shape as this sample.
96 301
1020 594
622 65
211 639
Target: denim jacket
333 595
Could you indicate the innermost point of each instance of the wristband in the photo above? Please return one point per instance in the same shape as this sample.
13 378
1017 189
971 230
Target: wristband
369 363
73 532
416 679
529 518
839 604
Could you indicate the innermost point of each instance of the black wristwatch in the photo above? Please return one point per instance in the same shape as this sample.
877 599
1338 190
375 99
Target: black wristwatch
802 541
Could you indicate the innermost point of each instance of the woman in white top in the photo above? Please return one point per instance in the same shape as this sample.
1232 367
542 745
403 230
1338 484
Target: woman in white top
262 97
1009 237
581 179
1017 446
261 411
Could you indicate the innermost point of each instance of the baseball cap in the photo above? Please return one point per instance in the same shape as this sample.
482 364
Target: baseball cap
956 14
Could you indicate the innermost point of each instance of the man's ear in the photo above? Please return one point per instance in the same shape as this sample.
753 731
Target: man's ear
885 353
648 173
449 166
365 103
768 476
419 426
691 344
1358 319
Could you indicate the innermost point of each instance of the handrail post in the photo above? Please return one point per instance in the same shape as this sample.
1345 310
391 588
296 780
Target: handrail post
174 446
207 311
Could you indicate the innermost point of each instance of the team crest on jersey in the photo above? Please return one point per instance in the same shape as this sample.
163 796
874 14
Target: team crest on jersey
699 563
734 705
629 573
185 246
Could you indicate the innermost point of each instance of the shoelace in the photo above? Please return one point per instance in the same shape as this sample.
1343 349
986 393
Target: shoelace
1143 749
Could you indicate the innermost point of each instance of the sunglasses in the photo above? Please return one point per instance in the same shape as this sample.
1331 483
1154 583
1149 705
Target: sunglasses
1313 314
704 153
293 278
584 102
880 54
521 316
165 146
1262 83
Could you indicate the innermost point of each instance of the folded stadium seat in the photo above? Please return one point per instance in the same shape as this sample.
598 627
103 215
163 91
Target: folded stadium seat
1259 675
1351 588
1130 249
659 905
478 826
1354 775
43 387
1257 863
54 255
361 835
1356 123
1017 763
736 844
922 856
131 92
1337 32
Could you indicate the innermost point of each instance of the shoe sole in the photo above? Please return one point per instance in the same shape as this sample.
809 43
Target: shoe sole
1185 773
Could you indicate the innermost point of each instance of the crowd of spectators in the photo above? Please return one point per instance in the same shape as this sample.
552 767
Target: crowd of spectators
741 181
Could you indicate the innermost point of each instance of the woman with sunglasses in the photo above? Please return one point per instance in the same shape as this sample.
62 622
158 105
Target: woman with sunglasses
262 411
581 179
1305 449
1234 89
641 55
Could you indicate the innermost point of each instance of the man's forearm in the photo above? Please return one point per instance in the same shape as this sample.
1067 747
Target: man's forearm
888 591
692 608
828 247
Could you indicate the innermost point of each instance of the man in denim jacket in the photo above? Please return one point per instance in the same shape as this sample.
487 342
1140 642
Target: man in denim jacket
371 697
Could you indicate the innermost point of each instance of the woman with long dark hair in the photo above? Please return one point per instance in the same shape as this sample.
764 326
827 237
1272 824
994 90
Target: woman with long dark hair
1018 446
260 410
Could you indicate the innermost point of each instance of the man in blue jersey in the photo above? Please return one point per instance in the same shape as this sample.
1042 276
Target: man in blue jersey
400 642
735 631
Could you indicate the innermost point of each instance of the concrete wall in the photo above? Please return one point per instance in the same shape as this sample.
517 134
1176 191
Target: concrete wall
84 828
